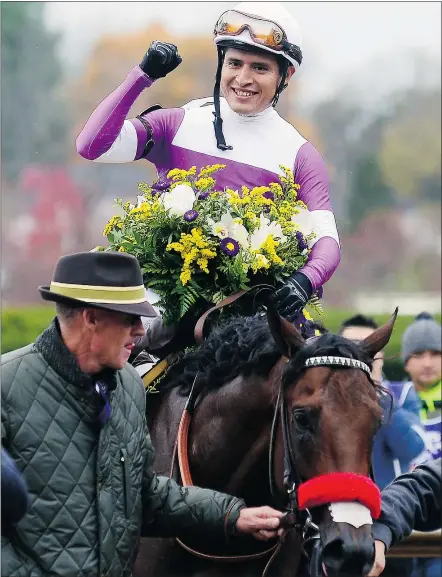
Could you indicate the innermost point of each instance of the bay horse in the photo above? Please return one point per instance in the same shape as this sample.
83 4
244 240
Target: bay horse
282 421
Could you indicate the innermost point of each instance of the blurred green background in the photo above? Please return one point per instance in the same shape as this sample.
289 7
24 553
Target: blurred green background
20 326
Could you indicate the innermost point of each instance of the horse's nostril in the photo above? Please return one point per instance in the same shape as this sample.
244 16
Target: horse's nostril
332 556
342 558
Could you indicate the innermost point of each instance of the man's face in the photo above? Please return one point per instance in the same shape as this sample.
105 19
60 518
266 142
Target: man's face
424 368
249 81
359 334
113 337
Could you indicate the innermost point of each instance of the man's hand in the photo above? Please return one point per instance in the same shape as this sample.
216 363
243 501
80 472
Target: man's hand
379 559
260 522
160 59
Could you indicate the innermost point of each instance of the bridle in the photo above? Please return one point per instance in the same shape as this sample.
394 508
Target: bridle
298 516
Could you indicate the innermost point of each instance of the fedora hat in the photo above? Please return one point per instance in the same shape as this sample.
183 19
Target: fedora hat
106 280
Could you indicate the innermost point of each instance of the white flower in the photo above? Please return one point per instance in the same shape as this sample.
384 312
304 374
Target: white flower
265 229
140 199
227 227
303 221
179 200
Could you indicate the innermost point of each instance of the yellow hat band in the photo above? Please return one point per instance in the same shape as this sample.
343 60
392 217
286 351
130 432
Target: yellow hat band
100 294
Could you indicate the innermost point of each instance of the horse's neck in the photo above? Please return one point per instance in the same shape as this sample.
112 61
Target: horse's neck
230 435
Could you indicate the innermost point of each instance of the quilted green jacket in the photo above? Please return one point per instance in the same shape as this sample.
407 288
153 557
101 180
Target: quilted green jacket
92 489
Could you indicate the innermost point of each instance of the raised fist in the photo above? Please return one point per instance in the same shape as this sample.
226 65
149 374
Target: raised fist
160 59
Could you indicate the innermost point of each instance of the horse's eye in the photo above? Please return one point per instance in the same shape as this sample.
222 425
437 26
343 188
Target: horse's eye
301 418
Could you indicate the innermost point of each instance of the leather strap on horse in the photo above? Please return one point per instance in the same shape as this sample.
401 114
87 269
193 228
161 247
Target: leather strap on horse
199 327
181 451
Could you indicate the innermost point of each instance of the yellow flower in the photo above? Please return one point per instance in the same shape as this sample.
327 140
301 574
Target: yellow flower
204 184
307 315
287 209
193 248
142 211
269 247
203 263
179 175
121 249
210 169
276 188
114 222
185 276
260 262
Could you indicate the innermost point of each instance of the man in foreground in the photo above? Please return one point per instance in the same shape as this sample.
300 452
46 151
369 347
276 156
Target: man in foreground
73 419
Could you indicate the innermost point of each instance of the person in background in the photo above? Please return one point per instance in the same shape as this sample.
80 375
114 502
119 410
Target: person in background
422 355
400 439
411 502
15 500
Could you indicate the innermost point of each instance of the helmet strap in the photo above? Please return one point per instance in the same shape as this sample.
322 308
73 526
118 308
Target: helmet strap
218 122
282 85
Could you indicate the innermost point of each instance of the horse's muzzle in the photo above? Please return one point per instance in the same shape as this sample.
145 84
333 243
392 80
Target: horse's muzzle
347 552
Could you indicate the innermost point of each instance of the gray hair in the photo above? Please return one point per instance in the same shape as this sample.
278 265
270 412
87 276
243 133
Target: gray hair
67 313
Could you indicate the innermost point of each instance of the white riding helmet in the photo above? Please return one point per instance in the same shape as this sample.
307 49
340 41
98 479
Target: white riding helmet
262 24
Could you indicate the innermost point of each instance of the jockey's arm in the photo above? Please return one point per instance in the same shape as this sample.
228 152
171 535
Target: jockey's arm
310 173
109 137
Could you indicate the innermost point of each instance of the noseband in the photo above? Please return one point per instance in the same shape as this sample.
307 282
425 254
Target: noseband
302 495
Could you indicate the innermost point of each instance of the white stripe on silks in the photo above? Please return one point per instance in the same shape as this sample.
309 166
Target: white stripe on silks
323 224
124 149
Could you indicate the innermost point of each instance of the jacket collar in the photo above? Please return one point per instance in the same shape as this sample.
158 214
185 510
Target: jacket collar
50 344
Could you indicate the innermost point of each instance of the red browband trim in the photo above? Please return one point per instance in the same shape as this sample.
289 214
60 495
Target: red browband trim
335 487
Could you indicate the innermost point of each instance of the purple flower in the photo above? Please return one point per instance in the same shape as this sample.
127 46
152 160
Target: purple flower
203 195
191 215
320 292
302 244
269 194
160 185
229 246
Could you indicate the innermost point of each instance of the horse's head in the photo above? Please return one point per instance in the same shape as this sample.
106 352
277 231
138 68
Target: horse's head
330 413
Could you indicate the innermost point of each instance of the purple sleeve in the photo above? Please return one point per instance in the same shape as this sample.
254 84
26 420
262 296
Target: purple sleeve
105 123
310 173
323 260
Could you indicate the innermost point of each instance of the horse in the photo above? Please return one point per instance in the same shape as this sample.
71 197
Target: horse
279 420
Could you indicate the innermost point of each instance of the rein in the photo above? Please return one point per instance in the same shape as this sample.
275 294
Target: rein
181 455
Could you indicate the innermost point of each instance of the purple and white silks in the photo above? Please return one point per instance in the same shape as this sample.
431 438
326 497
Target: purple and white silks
184 137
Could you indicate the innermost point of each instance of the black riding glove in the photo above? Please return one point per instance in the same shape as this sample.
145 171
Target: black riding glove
292 297
160 59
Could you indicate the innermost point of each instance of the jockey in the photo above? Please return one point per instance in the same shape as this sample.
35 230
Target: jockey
259 50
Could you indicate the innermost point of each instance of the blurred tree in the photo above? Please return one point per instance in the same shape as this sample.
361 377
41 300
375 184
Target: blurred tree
368 191
410 154
33 125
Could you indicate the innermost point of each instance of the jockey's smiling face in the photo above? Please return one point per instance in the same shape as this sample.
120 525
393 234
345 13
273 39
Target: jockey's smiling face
249 80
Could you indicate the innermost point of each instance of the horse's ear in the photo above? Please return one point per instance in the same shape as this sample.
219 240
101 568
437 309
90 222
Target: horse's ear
379 339
286 336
